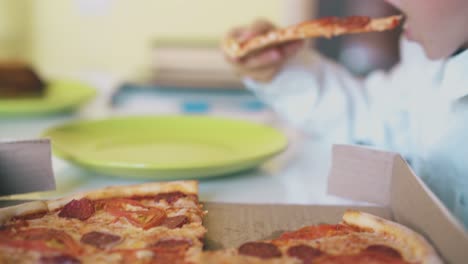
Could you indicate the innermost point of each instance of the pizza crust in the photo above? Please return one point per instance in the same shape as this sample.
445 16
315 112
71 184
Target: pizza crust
22 209
188 187
418 249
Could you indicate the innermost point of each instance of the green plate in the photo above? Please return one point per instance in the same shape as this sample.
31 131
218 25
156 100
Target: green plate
166 147
60 96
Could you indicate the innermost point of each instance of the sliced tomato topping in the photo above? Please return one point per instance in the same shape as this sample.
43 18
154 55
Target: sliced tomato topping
135 212
42 239
171 245
318 231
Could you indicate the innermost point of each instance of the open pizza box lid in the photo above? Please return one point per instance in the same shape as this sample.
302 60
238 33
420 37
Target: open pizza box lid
361 174
25 166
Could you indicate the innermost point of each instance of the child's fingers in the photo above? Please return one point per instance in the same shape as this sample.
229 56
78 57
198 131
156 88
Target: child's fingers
231 59
246 35
264 64
262 26
265 74
241 33
291 48
262 59
257 28
235 32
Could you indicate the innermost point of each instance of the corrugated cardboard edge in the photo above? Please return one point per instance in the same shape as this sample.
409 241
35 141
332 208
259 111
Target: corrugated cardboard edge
26 166
361 174
389 181
415 206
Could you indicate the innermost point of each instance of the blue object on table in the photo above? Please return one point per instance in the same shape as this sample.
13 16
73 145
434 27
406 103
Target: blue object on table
254 106
190 100
195 107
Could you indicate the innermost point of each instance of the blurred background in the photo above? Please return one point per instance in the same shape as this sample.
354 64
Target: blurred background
361 53
160 44
132 38
162 57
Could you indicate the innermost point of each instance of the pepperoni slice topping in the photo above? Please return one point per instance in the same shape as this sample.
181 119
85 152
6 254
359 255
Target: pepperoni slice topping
80 209
305 253
354 22
372 254
135 212
170 197
175 221
170 251
168 257
324 21
260 250
178 244
383 250
100 239
60 259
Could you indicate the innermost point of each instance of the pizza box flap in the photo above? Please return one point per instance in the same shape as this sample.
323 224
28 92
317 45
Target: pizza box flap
361 174
415 206
384 178
25 166
230 225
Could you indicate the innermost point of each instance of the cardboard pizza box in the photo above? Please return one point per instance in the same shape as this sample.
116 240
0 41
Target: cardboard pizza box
362 174
380 178
25 166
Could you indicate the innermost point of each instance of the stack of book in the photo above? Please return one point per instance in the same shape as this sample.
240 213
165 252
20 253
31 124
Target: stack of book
192 66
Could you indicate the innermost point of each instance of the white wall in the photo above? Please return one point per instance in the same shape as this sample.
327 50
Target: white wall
70 36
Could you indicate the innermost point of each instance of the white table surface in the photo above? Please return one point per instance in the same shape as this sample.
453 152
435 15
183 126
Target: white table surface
296 176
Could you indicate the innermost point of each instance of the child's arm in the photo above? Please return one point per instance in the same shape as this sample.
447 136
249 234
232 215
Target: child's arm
263 65
302 86
316 95
322 98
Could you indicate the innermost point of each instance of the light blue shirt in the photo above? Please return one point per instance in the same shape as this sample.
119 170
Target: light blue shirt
419 109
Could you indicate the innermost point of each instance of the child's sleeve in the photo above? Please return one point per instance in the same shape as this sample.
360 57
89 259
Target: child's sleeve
322 98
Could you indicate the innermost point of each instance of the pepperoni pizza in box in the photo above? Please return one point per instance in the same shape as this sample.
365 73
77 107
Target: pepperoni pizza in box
165 223
162 223
148 223
359 238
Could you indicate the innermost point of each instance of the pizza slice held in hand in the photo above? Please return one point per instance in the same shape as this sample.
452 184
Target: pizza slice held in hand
323 27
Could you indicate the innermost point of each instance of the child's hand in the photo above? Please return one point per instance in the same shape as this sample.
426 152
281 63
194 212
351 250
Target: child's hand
263 65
